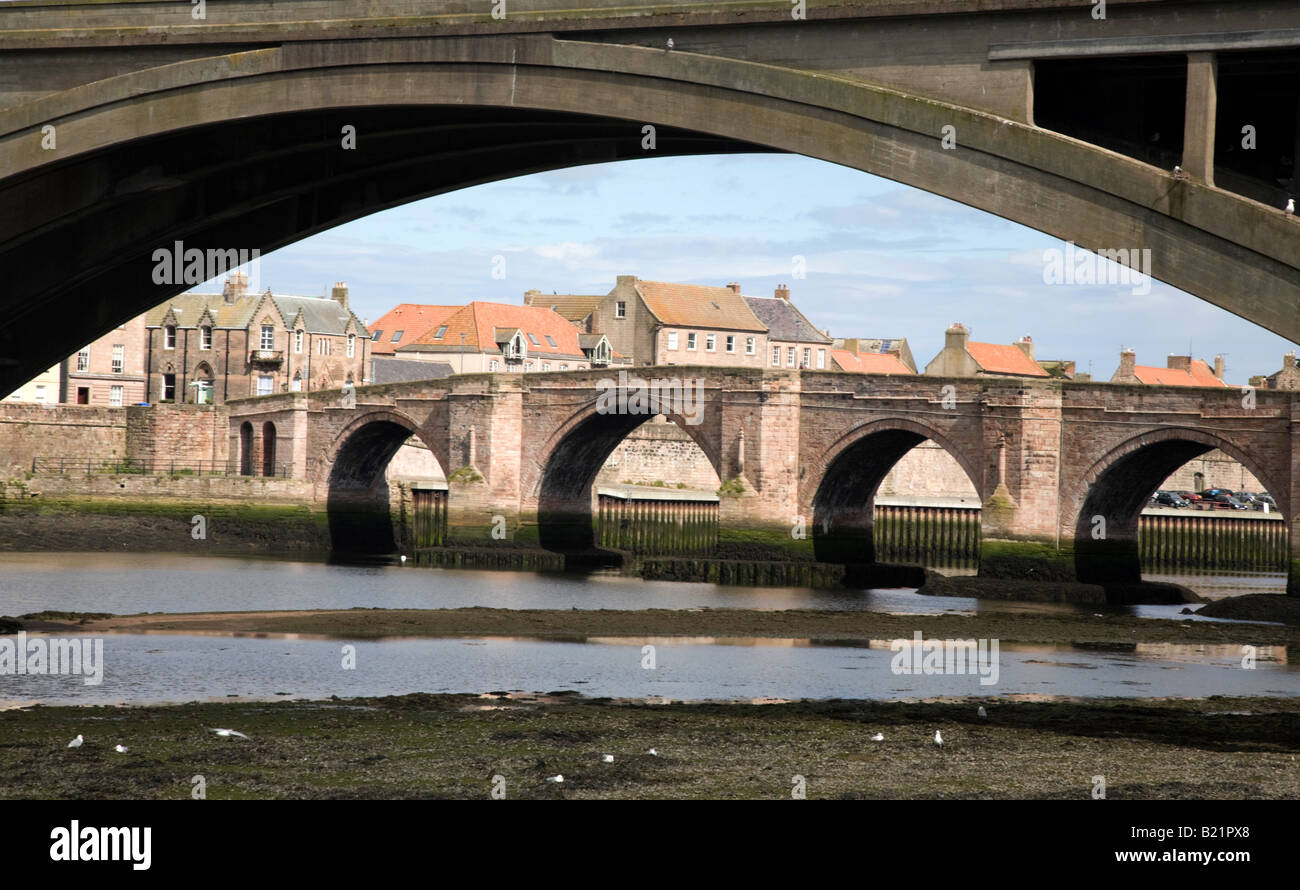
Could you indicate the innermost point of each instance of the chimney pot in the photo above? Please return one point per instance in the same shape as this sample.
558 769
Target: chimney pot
340 293
782 292
734 286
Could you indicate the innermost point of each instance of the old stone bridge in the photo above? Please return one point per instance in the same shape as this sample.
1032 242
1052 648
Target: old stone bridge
129 125
1054 462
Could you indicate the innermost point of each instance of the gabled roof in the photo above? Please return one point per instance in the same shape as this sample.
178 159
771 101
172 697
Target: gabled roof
1200 374
481 323
574 307
414 320
698 306
320 315
1003 358
783 321
869 362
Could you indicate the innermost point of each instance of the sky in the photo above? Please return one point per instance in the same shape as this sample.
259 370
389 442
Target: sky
880 259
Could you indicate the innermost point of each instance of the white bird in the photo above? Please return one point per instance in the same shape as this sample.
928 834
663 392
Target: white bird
75 743
403 557
1290 205
607 758
121 749
1178 171
878 737
227 733
653 753
556 779
982 712
938 740
670 43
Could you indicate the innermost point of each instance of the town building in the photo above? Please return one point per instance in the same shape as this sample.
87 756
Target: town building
502 338
207 348
110 371
43 389
792 340
1287 377
1180 370
867 361
961 357
856 346
404 323
577 308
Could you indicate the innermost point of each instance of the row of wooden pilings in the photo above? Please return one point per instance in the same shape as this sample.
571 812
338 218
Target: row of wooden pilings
428 517
656 526
1213 542
933 536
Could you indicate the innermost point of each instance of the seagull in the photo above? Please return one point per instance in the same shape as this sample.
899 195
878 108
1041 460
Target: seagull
75 743
938 740
653 753
556 779
227 733
607 758
121 749
403 557
878 737
1290 205
982 712
670 43
1178 171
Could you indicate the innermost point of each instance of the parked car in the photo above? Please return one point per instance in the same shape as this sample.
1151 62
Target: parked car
1189 496
1222 501
1168 499
1211 492
1267 498
1240 503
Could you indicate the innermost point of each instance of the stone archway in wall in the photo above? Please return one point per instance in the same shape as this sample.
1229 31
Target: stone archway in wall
849 475
1101 512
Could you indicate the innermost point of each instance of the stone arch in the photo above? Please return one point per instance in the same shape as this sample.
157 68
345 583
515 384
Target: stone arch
269 448
246 449
1223 248
206 379
567 465
1101 511
842 488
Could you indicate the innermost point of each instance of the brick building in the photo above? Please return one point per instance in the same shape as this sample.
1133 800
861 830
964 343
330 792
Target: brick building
1287 377
110 371
1180 370
792 340
961 357
501 338
207 348
859 346
866 361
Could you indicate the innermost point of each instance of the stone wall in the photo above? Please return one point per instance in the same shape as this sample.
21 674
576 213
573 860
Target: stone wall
71 432
1216 470
184 435
181 487
928 471
659 451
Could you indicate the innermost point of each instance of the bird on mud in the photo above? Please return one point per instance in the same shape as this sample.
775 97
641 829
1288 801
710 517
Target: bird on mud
653 753
121 749
559 780
75 743
982 712
607 758
228 733
878 737
938 740
1290 205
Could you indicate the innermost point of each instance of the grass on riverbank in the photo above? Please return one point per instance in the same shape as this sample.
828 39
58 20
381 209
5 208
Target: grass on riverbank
445 746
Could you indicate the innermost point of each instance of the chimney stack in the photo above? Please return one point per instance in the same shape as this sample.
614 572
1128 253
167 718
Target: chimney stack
1127 364
735 288
340 293
851 345
1179 363
1218 366
529 295
1288 360
956 337
1026 344
782 292
236 286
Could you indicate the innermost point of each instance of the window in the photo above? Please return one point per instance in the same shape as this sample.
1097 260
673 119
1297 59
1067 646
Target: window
731 343
203 396
546 366
710 342
205 337
438 334
807 358
776 356
40 392
295 385
169 337
397 335
821 359
493 365
119 357
532 338
789 356
528 366
374 338
352 345
550 339
564 366
83 359
297 340
672 339
750 346
690 340
323 346
115 396
169 387
265 384
620 309
268 337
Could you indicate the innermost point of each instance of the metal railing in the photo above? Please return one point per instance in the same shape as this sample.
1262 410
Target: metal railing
128 466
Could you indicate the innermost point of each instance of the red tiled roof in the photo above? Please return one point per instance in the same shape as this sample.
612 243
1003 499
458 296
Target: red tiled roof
869 362
1200 374
699 306
480 321
414 320
1001 358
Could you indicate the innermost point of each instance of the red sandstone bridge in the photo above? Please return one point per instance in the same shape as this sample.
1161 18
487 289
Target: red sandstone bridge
1053 462
129 125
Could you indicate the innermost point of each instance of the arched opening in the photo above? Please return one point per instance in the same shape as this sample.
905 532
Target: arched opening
612 466
268 449
246 449
374 465
930 511
1120 525
203 384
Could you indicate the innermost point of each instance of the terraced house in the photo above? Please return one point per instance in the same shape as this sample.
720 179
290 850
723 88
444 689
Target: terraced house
207 348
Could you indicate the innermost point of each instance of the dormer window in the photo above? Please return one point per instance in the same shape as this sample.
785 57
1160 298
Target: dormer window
268 336
169 337
205 337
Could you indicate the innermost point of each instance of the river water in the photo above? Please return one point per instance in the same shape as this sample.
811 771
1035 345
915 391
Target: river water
151 668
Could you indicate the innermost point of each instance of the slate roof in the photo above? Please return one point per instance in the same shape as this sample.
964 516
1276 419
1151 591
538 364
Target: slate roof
698 306
320 315
784 321
396 370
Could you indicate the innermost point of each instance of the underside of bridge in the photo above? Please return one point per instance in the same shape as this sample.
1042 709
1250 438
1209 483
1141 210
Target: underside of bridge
359 510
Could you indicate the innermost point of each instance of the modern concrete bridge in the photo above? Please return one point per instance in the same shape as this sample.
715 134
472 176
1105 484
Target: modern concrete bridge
1063 469
128 126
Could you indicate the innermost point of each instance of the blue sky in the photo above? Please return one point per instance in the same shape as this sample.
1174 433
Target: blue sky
882 259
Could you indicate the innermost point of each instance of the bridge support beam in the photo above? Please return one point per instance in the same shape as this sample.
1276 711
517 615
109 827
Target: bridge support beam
1199 119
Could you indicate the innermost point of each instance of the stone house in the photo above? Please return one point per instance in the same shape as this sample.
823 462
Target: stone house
1180 370
501 338
961 357
1287 377
110 371
792 340
404 323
